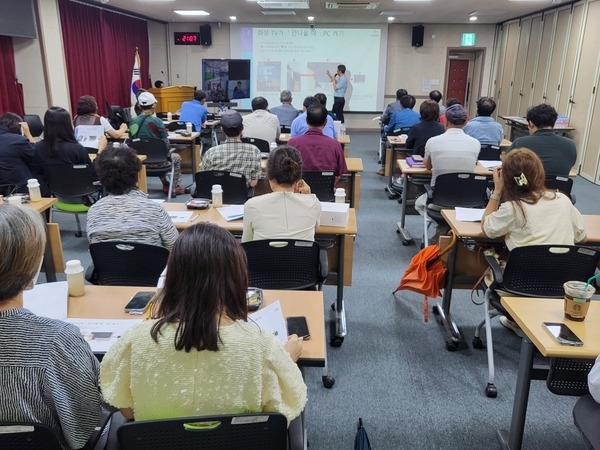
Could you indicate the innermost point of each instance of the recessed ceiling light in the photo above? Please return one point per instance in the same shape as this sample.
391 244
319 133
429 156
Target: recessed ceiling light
395 13
473 18
232 18
191 12
391 18
310 18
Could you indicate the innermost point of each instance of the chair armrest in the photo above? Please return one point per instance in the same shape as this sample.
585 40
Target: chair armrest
90 274
324 263
429 189
494 265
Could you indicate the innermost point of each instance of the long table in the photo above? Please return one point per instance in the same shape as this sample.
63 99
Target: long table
340 255
530 313
519 127
344 140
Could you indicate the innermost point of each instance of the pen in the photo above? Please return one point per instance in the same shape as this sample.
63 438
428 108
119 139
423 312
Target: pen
194 217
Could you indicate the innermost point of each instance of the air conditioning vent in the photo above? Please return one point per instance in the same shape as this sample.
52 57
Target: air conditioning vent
278 4
351 5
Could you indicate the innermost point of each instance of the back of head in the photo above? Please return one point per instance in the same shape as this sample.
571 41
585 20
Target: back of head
158 84
118 167
430 111
523 175
408 102
456 115
207 277
452 101
22 243
285 165
485 106
57 128
199 95
285 96
436 96
259 103
542 116
321 98
146 100
401 93
341 68
316 115
232 123
11 121
86 105
308 100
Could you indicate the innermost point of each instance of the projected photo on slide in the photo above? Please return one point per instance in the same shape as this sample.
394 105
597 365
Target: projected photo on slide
268 77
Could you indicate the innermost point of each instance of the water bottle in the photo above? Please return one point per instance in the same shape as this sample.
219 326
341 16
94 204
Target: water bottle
343 129
272 146
74 272
340 195
169 116
35 195
217 195
188 127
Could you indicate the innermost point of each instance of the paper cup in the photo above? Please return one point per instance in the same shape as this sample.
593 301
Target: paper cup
14 200
338 126
577 299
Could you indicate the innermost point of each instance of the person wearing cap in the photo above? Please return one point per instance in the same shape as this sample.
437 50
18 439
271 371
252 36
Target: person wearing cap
261 124
234 155
483 127
453 151
285 112
194 111
148 126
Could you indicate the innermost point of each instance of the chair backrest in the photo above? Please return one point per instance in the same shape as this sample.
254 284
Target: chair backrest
115 115
568 376
489 153
28 436
467 190
283 264
174 125
322 184
541 270
285 129
127 263
156 150
262 145
70 180
235 191
562 184
248 431
36 127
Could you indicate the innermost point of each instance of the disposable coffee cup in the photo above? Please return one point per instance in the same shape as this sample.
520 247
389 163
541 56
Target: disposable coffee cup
577 299
338 126
14 200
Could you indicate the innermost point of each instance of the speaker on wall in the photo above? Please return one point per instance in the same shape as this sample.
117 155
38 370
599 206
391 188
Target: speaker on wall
417 35
205 35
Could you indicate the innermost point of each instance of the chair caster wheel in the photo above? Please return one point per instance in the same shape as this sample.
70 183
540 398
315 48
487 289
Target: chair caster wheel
336 341
328 382
491 391
436 311
477 342
451 346
422 246
78 234
405 242
333 307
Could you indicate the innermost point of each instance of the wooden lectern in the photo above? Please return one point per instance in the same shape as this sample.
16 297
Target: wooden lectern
169 99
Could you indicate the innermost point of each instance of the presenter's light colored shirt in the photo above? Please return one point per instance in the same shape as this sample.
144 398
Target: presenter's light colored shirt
341 86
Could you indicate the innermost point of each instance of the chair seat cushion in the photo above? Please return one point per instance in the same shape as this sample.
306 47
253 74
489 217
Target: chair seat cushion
72 207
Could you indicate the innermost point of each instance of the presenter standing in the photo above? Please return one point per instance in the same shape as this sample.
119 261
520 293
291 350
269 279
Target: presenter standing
340 84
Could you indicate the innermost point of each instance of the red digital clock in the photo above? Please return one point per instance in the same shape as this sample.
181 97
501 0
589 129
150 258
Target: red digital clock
186 38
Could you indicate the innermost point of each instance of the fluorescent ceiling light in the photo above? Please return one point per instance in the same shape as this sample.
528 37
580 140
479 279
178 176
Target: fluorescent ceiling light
310 18
190 12
232 18
278 12
473 18
532 1
391 18
396 13
412 1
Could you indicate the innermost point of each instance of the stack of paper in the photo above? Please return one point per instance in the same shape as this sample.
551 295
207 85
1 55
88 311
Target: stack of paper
101 334
270 318
233 212
469 214
490 164
180 216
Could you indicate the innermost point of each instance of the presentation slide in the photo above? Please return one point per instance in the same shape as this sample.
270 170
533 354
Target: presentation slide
298 59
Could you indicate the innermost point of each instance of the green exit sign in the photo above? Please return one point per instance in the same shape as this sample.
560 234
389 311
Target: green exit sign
468 40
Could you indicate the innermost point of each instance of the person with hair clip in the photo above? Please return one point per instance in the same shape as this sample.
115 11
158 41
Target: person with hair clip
524 212
290 211
49 372
199 354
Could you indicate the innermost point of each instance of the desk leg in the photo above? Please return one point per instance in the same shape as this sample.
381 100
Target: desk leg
444 310
389 161
514 439
340 314
193 156
406 237
48 261
143 180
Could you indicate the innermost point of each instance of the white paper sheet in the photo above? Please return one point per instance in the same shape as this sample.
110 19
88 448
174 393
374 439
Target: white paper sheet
270 318
48 300
469 214
89 135
180 216
101 334
489 164
232 212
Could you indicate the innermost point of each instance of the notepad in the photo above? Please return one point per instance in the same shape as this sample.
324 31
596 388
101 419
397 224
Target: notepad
180 216
48 300
469 214
270 318
232 212
489 164
102 334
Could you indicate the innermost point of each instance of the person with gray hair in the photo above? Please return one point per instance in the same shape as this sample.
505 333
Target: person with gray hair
54 372
285 112
260 123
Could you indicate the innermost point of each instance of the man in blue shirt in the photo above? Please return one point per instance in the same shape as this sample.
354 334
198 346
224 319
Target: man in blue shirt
194 111
299 125
483 127
393 107
340 84
406 117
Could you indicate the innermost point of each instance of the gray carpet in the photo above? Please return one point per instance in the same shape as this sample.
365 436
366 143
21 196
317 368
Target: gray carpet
393 370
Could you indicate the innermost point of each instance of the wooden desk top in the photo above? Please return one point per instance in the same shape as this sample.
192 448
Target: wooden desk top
107 302
522 121
396 140
405 168
213 216
41 206
173 137
354 164
473 229
530 313
285 137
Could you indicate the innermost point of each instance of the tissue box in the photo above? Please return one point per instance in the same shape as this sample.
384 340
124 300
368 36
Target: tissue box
562 122
334 214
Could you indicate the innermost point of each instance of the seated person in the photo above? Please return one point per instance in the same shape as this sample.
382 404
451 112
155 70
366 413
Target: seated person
391 108
449 103
483 127
290 211
234 155
199 354
299 125
524 212
436 96
148 126
159 84
126 213
87 114
428 127
238 91
194 111
16 152
594 380
285 112
404 118
260 123
49 374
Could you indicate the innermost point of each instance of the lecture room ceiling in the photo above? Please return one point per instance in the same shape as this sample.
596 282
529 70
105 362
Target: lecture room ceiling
334 12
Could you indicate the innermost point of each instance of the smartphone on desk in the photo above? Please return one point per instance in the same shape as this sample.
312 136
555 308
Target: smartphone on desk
139 302
563 334
298 326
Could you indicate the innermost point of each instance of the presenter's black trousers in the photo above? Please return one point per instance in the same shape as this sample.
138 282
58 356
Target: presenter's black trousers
338 108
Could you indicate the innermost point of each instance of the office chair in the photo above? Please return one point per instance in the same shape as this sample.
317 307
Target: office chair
74 187
156 152
531 271
174 126
235 190
286 129
28 436
263 146
322 184
252 431
489 153
6 190
117 263
115 115
561 184
36 127
466 190
586 416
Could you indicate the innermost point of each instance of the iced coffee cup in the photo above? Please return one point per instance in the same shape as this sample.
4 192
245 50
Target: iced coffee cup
577 299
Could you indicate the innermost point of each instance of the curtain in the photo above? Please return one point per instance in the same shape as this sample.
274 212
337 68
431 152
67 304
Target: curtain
11 97
99 50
